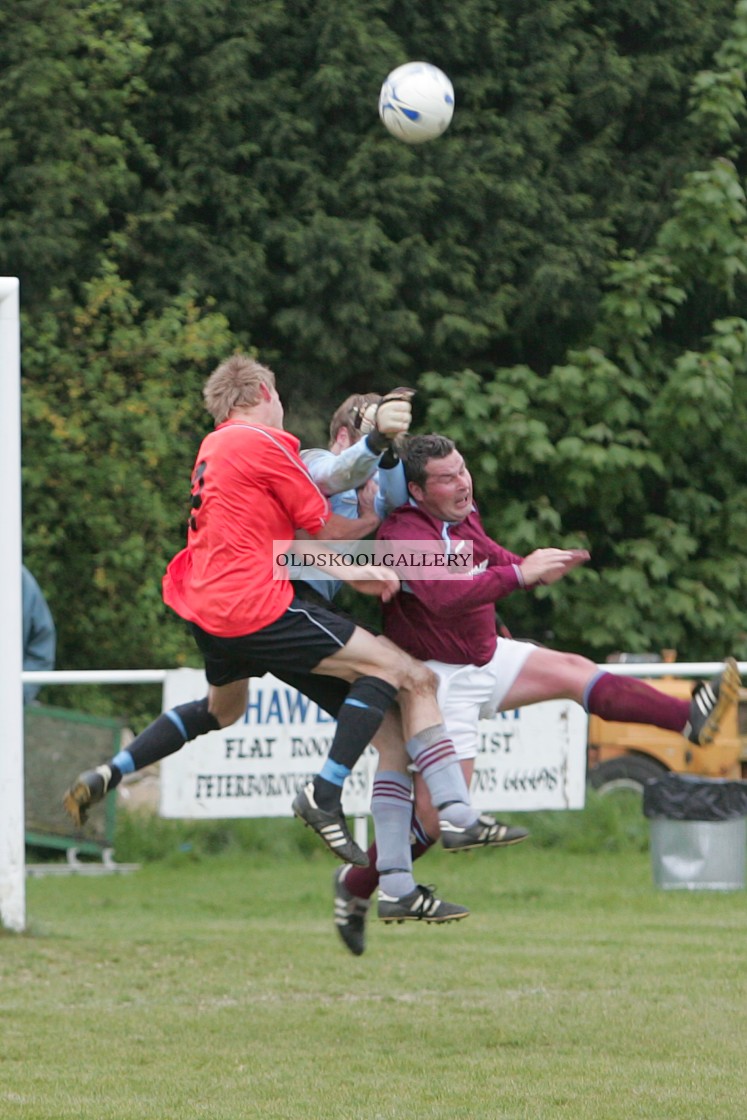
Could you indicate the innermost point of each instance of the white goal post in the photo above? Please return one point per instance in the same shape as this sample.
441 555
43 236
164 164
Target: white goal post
12 845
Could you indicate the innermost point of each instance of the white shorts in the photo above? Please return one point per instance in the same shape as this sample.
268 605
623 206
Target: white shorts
469 693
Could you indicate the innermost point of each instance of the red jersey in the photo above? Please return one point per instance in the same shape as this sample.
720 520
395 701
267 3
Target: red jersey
449 620
249 489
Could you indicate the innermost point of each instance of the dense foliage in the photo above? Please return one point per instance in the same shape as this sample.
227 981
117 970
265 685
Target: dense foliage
562 273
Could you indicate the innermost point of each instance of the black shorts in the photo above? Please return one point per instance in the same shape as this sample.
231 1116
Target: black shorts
289 648
310 595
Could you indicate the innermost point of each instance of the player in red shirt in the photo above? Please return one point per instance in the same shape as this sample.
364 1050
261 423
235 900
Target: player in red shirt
251 497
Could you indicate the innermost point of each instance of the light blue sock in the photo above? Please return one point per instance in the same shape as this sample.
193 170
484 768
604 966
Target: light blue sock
334 772
124 762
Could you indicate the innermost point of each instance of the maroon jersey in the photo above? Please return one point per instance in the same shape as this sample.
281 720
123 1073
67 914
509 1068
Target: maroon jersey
451 620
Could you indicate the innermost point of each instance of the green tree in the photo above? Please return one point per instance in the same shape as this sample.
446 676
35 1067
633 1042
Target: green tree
235 149
635 443
69 82
346 255
112 420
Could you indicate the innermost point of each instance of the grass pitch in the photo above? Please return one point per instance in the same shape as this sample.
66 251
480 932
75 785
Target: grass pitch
216 987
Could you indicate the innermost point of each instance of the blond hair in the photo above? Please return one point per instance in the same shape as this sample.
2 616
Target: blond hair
347 415
235 384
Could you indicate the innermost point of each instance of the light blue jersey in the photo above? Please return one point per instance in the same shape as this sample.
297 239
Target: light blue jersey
339 476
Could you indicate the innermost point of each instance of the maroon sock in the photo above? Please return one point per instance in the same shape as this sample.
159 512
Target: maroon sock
363 881
632 701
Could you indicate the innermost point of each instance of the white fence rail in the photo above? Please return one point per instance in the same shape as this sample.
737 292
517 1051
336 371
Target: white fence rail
158 676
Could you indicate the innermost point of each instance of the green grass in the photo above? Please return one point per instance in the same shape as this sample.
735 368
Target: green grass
606 824
214 986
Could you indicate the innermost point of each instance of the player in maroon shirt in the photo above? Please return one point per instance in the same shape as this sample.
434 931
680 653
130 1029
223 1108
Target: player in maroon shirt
451 625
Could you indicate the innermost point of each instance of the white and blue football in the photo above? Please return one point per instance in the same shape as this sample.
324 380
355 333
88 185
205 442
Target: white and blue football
416 102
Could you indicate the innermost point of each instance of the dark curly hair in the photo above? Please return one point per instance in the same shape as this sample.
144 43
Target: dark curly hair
419 450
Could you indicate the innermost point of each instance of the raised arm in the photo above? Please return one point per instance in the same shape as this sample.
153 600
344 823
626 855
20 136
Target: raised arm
346 471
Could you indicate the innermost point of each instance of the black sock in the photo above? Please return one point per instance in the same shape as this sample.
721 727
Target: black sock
358 721
170 732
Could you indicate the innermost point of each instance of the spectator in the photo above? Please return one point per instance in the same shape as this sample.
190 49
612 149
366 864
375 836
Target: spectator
39 634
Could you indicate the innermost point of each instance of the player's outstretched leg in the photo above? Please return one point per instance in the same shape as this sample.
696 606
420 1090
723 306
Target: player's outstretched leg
420 905
166 734
711 701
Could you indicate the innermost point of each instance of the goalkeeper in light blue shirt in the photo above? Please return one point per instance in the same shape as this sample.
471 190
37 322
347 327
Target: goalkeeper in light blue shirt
360 472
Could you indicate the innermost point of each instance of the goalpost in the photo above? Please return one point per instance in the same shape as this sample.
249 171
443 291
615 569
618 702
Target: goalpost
12 844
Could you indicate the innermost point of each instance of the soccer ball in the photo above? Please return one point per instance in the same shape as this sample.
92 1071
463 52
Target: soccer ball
416 102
